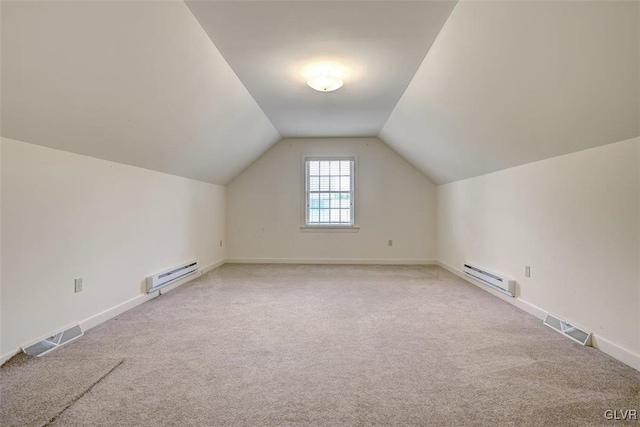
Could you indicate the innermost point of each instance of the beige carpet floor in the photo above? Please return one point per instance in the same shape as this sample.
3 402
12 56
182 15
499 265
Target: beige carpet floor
34 391
274 345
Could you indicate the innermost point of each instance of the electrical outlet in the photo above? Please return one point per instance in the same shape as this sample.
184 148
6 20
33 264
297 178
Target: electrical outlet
390 242
220 243
78 285
527 271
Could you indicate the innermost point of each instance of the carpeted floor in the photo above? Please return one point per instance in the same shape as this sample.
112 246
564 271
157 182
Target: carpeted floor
34 391
277 345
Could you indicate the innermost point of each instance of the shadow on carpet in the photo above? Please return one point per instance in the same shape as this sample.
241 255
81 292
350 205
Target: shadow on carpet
35 391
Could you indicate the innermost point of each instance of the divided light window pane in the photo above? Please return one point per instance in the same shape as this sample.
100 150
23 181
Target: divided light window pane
329 192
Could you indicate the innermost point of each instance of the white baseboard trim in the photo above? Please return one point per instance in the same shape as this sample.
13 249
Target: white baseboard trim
622 354
334 261
91 322
213 266
202 271
619 353
8 356
110 313
518 302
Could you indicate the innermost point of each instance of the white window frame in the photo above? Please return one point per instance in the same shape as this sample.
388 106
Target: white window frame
353 226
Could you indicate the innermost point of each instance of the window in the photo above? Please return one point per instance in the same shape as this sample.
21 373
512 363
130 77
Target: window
329 192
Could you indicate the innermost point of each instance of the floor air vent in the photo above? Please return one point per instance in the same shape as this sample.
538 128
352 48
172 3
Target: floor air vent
573 332
54 341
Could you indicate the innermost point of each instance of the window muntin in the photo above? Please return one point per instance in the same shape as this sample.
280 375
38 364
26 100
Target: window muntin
329 190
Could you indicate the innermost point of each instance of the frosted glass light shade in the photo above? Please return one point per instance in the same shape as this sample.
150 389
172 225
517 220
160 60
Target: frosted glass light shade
325 83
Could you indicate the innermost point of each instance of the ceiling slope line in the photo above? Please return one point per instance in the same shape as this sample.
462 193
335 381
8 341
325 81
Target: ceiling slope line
417 69
494 92
270 44
155 93
232 70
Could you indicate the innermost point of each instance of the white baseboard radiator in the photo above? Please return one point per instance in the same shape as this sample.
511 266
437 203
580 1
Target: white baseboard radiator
568 330
494 280
168 277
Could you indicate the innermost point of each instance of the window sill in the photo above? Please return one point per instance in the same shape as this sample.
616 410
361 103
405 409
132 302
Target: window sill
329 229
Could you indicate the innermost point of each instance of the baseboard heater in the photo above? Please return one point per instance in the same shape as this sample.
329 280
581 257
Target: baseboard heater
56 340
568 330
494 280
168 277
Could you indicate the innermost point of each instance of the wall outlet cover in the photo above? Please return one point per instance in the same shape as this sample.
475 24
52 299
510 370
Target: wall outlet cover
78 285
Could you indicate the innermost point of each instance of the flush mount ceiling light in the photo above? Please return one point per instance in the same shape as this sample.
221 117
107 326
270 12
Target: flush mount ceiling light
325 83
325 76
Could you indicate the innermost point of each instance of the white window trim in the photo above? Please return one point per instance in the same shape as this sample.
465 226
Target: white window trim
353 228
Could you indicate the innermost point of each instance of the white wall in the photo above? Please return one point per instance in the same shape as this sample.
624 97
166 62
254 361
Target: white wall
65 216
1 298
555 76
133 82
394 202
574 219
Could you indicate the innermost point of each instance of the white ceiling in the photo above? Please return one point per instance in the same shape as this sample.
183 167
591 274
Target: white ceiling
269 43
133 82
141 83
508 83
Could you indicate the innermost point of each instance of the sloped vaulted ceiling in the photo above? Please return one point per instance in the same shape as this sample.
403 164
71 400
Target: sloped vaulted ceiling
133 82
269 43
508 83
141 83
